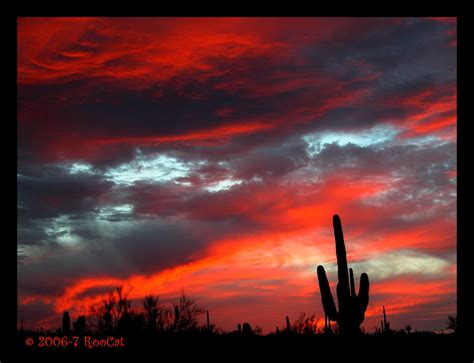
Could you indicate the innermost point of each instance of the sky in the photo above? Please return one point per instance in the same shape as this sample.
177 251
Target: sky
210 154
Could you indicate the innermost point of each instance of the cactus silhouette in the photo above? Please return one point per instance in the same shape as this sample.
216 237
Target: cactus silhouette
384 323
352 307
246 329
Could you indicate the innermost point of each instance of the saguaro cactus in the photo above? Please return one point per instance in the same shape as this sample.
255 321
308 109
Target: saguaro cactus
352 307
384 323
246 329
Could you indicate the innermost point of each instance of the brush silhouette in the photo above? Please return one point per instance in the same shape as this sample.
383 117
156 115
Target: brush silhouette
352 307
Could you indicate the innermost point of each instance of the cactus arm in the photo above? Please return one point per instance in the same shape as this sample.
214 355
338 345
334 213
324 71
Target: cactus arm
326 296
363 296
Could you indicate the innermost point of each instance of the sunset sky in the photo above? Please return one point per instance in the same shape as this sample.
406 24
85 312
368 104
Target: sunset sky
210 154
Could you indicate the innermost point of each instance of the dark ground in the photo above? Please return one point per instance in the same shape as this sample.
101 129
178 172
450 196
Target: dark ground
222 348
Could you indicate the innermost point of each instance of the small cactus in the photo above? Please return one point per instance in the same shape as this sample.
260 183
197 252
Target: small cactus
288 326
246 329
384 323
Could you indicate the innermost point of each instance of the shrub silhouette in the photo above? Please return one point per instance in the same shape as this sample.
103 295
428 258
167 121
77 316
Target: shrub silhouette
185 313
352 307
452 323
113 313
305 324
66 330
407 328
156 315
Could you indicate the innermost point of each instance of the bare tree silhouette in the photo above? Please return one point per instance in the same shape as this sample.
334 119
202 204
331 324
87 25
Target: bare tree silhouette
157 317
185 313
113 312
452 323
407 328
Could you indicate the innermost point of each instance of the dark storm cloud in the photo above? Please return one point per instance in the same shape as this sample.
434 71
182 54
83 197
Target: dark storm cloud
121 113
396 46
153 246
411 157
273 161
57 193
30 231
139 247
423 171
408 58
50 192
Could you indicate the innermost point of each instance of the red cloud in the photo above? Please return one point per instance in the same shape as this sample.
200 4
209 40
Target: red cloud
195 138
55 49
